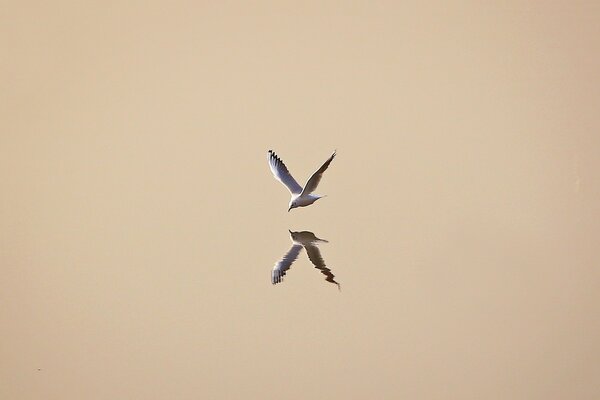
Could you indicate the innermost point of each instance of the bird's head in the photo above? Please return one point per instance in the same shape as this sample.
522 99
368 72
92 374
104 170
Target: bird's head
293 204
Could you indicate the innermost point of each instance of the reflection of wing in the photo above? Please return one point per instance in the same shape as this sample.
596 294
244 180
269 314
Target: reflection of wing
314 180
282 174
284 264
315 257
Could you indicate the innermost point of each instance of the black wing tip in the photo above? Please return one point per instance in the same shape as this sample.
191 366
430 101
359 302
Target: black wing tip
274 156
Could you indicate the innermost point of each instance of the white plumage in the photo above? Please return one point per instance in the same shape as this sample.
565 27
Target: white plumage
301 197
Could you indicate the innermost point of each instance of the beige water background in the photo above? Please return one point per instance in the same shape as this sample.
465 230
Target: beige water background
139 221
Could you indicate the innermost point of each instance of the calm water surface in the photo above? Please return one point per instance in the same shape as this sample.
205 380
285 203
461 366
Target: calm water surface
141 225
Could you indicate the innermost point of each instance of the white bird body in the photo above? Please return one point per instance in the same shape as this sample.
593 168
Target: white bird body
301 196
303 201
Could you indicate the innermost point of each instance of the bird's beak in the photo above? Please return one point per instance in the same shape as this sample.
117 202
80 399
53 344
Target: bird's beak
289 208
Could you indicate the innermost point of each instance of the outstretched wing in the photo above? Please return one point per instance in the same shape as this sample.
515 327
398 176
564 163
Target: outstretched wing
314 180
314 255
284 264
282 174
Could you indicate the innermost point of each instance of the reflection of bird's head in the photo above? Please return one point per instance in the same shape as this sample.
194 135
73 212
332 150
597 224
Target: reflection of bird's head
305 237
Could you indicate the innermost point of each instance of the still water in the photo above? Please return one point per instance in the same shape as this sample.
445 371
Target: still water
455 255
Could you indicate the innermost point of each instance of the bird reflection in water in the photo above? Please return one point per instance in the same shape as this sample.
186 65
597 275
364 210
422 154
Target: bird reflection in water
300 240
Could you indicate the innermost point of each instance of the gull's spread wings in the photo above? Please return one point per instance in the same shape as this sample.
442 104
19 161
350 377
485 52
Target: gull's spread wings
282 174
314 180
285 263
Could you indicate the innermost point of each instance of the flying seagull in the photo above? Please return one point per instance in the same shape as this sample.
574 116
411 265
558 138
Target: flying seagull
309 241
301 197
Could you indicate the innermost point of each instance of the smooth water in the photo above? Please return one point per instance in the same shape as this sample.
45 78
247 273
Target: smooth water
140 223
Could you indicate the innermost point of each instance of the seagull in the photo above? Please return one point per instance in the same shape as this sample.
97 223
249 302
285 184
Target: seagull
300 240
301 196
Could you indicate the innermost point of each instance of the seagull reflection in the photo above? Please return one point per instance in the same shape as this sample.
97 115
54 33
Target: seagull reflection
309 241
